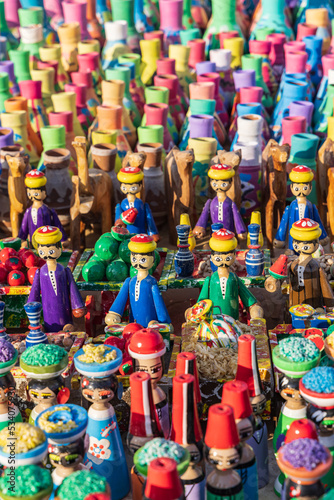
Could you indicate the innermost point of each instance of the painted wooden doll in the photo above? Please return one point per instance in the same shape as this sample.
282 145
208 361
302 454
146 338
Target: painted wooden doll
301 178
105 453
65 441
308 281
38 214
235 394
146 302
186 431
53 284
147 348
223 451
221 208
43 365
224 288
163 481
131 183
248 371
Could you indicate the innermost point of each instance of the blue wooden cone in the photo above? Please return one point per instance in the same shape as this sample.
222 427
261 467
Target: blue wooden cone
35 336
3 333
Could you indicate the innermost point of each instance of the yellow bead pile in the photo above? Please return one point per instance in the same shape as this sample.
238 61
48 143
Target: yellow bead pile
97 354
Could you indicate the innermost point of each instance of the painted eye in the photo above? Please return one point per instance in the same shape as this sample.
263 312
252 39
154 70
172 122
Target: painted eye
228 259
214 184
305 188
306 247
143 261
51 252
218 259
41 252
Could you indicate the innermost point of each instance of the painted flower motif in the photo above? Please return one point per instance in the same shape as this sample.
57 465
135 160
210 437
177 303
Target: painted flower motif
98 450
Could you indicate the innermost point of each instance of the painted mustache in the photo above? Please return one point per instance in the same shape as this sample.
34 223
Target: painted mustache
139 266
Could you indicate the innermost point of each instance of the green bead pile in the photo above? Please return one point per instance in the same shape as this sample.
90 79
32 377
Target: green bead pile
29 480
157 448
80 484
43 355
298 349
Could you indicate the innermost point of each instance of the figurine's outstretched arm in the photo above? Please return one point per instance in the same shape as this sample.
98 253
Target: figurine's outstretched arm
205 289
249 301
200 228
160 307
150 224
283 228
118 211
35 292
239 225
24 231
119 304
75 297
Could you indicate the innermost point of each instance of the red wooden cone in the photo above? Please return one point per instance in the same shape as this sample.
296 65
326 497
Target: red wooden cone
235 394
163 482
300 429
186 363
279 269
221 431
248 370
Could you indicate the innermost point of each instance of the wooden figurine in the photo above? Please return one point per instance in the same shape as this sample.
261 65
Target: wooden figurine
223 451
325 161
9 413
43 365
221 208
233 160
105 453
65 441
315 389
274 159
304 462
91 195
163 481
179 187
147 349
223 287
186 431
248 371
308 281
301 178
236 395
131 181
29 481
38 214
146 302
16 191
144 424
53 284
293 357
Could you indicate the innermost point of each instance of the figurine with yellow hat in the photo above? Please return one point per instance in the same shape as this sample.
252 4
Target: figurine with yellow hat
221 209
223 287
308 281
53 284
131 182
146 302
38 214
301 178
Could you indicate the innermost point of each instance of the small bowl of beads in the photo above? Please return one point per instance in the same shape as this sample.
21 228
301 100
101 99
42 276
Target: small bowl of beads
317 387
43 361
26 443
63 423
8 356
157 448
329 346
26 482
304 460
98 361
81 484
295 356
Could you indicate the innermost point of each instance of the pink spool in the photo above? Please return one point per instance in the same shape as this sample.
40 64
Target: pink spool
76 11
62 118
49 64
80 91
292 125
327 63
294 46
79 78
171 82
11 13
166 66
251 94
89 62
157 114
53 8
295 62
31 89
202 90
171 12
304 29
259 47
153 35
276 55
227 34
210 77
197 52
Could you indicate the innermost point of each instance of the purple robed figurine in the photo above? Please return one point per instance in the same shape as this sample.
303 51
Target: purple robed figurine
221 209
38 214
53 284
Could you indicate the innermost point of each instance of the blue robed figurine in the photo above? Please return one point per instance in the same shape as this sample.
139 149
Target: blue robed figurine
301 178
146 302
131 180
38 214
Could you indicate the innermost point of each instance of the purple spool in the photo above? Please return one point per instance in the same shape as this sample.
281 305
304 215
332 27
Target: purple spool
205 67
6 137
200 126
8 67
302 108
244 78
